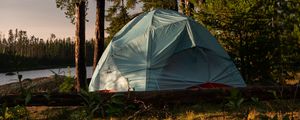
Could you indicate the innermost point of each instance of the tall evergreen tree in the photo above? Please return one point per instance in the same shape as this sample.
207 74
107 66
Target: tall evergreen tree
99 31
118 16
76 11
182 6
189 8
80 46
154 4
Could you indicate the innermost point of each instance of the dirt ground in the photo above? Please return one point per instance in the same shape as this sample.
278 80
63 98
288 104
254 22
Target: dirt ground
50 84
44 84
46 112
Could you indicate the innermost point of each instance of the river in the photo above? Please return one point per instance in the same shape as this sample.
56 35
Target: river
4 79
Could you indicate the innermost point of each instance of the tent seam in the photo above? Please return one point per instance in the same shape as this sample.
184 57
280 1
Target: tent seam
170 23
148 49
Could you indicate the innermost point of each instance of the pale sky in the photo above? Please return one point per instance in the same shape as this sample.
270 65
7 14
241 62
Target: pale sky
41 18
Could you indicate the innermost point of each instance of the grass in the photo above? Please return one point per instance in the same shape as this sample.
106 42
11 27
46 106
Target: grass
249 109
238 109
294 81
282 110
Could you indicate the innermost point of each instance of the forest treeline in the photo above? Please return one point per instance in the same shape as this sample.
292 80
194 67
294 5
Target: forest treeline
18 51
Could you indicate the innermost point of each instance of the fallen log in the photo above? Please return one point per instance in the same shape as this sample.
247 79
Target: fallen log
161 97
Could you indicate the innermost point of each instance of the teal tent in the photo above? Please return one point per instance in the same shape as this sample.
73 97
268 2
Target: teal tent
163 50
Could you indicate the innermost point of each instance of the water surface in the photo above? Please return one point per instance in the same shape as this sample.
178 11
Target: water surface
4 79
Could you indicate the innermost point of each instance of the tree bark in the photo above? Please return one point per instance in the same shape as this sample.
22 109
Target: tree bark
189 8
80 47
182 6
99 32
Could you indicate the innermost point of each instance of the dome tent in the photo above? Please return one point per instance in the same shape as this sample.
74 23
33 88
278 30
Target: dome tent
163 50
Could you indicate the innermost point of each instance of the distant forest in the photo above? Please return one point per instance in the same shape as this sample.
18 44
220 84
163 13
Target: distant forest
19 51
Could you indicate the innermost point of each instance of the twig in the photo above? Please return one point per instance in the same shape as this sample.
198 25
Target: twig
144 108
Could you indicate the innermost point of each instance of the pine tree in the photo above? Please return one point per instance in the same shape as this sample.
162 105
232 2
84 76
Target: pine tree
164 4
99 31
76 11
117 16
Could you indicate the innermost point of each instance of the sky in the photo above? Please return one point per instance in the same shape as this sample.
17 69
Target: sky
41 18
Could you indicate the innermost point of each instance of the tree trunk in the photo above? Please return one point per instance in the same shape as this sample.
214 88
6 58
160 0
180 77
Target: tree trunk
99 32
80 47
189 8
182 6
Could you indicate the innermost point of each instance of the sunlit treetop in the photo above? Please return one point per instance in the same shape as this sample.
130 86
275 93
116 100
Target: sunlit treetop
68 6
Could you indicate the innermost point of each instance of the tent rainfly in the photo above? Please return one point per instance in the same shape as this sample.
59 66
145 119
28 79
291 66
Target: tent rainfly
163 50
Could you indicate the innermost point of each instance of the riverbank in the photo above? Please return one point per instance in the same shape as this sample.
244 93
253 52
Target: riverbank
33 74
37 85
36 68
254 108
